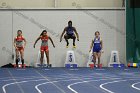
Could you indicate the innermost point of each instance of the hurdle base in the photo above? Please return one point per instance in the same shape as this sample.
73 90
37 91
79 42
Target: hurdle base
74 65
19 66
43 65
117 65
96 65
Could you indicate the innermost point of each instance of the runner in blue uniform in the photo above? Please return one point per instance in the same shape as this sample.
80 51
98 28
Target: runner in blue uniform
70 34
97 47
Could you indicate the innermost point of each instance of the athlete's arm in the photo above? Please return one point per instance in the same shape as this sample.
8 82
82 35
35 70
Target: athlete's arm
51 41
24 42
62 34
15 43
36 41
77 35
91 45
102 45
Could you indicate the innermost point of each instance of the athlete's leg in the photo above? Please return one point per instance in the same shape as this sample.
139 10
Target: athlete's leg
66 39
47 56
17 55
22 56
73 37
42 56
99 56
94 57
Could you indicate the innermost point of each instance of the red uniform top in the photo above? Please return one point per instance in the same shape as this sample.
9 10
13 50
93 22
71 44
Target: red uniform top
19 41
44 40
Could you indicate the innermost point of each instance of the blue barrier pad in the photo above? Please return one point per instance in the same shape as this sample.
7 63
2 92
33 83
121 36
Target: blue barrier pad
115 65
67 65
74 65
122 65
71 65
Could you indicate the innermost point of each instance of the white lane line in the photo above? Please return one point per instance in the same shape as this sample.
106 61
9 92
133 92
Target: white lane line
27 78
133 86
69 86
50 81
39 91
134 79
21 79
83 80
5 78
9 78
109 91
22 91
6 85
74 91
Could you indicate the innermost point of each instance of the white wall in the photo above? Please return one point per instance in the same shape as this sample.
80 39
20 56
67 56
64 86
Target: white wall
31 22
28 3
5 37
23 4
90 3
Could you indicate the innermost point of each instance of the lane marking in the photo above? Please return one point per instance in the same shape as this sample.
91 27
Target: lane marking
109 91
39 91
6 85
50 81
133 86
70 85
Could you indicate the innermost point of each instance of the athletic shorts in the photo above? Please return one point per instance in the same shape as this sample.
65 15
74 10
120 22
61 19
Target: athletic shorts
44 48
70 36
97 49
20 48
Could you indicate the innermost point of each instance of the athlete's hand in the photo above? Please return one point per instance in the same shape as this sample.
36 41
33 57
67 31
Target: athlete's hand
102 51
16 48
34 46
54 46
60 39
77 39
90 50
